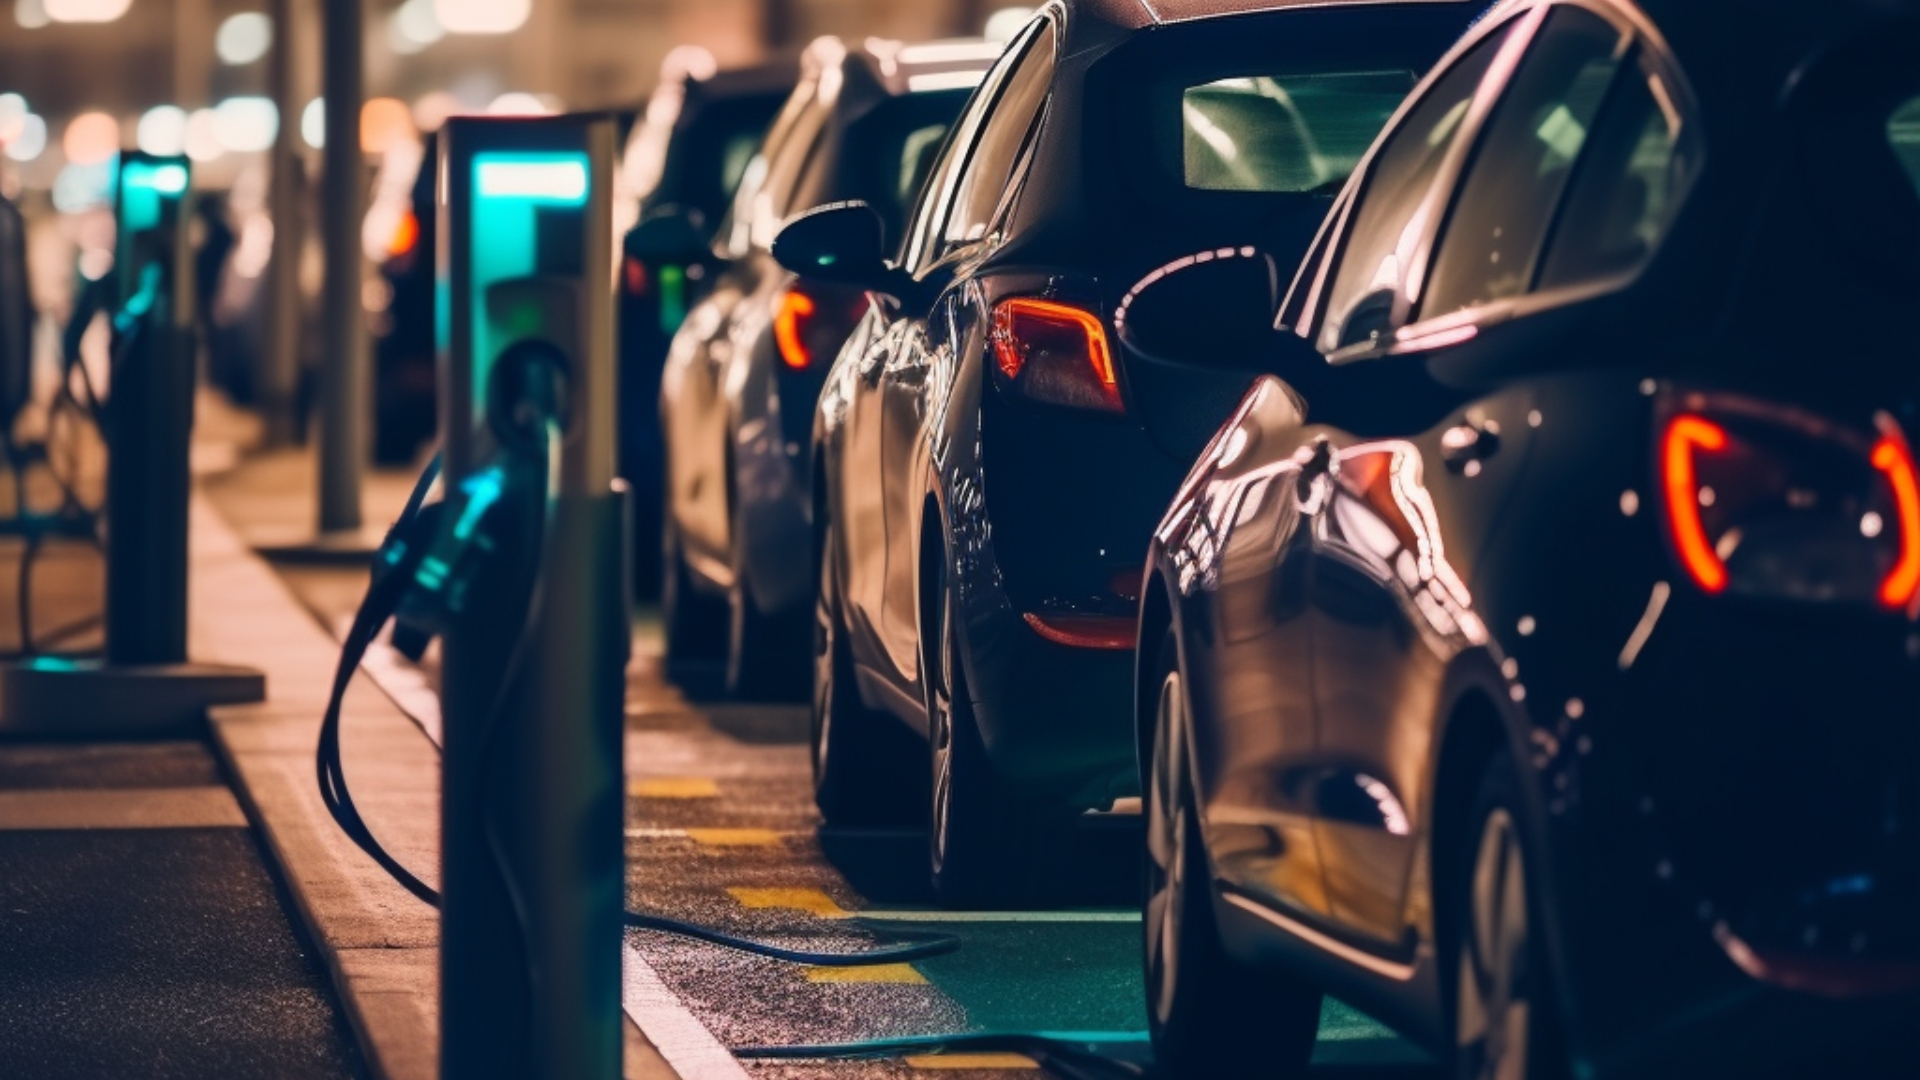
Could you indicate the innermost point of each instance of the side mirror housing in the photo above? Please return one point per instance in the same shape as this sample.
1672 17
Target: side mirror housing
844 244
1216 310
671 235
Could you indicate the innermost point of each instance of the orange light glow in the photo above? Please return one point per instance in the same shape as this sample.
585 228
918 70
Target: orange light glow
1011 314
1685 435
1086 631
790 319
1895 462
405 235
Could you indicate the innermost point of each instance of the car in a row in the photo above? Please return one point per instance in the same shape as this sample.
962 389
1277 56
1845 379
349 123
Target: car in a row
1510 624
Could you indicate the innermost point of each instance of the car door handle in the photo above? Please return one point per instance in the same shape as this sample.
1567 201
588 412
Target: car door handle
1468 444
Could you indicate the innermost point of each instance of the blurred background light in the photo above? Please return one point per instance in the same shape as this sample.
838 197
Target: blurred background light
384 123
482 16
162 130
313 123
13 116
1006 22
433 108
243 38
30 14
516 103
91 138
86 11
246 124
30 141
82 186
203 135
415 26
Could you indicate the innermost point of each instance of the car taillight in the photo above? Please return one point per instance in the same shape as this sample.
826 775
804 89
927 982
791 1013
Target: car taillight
405 236
1771 502
1055 352
811 323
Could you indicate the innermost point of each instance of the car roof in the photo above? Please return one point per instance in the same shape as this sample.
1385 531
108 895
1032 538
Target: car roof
898 68
1140 14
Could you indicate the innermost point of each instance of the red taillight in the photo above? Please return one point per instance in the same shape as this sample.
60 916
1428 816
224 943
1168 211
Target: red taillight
791 315
405 235
1055 352
1686 435
633 276
1895 462
1086 631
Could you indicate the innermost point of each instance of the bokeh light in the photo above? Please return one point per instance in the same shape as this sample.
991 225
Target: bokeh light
203 135
30 14
13 116
246 125
82 186
433 108
1006 22
313 123
162 130
415 26
385 122
30 141
91 138
482 16
519 104
243 38
86 11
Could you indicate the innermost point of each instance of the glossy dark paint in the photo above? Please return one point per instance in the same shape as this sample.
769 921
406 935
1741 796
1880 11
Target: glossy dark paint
921 454
735 418
1721 811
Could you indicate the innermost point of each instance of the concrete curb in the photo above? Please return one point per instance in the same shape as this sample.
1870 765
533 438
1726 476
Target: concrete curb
380 944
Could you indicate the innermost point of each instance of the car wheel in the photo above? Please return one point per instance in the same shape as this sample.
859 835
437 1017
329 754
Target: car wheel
863 761
1208 1014
695 625
987 847
1503 1014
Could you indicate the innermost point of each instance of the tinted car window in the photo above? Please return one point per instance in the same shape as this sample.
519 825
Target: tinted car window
885 154
1535 135
1627 188
1903 135
1386 222
1286 133
989 169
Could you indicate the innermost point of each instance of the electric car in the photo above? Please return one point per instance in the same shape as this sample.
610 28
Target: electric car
986 472
737 394
1532 659
682 162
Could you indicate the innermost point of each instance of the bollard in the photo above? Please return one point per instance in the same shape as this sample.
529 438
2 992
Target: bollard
532 685
145 684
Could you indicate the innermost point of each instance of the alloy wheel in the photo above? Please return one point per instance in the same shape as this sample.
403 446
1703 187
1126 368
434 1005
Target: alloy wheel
1494 1012
1166 848
825 629
940 732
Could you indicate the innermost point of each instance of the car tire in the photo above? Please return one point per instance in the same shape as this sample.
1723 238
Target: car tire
864 762
695 625
987 847
1208 1014
766 653
1504 1018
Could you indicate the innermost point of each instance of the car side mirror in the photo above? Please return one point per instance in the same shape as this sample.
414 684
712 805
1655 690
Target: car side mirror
1216 310
669 236
842 243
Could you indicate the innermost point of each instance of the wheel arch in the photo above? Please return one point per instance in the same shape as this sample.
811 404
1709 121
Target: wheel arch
1156 620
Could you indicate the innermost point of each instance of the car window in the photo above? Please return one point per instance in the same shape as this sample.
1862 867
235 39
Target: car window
1534 135
1627 189
1285 133
989 170
1903 135
937 197
1387 221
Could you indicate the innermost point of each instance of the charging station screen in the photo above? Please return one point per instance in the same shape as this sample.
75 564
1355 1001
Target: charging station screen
528 253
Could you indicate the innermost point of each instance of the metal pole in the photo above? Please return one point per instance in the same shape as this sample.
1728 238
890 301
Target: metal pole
344 400
280 374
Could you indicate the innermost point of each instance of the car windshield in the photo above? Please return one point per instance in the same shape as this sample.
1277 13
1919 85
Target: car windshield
1280 133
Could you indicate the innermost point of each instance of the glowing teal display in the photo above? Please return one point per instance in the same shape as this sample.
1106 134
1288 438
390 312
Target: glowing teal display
146 185
510 188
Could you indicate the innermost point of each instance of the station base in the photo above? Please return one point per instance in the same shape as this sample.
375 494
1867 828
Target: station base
63 698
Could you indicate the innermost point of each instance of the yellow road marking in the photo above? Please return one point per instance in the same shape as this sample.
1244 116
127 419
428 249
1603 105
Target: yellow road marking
734 837
674 787
811 901
971 1061
872 973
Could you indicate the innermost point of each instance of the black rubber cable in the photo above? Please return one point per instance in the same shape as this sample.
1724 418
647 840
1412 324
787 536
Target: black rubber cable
383 597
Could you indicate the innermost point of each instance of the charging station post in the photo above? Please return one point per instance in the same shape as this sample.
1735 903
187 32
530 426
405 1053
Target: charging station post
532 684
145 683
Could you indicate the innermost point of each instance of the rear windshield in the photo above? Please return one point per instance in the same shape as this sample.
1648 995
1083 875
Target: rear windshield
1278 133
1903 135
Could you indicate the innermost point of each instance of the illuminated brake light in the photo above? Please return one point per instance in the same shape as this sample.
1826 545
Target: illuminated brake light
791 315
1055 352
1685 436
405 235
1895 462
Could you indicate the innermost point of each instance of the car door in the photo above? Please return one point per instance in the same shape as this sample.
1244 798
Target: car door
859 504
1412 501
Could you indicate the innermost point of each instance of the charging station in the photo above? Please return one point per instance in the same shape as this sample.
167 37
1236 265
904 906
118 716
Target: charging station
534 655
144 684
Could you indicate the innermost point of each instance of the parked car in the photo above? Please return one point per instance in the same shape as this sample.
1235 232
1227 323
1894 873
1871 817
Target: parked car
737 397
405 364
683 160
986 472
1531 660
